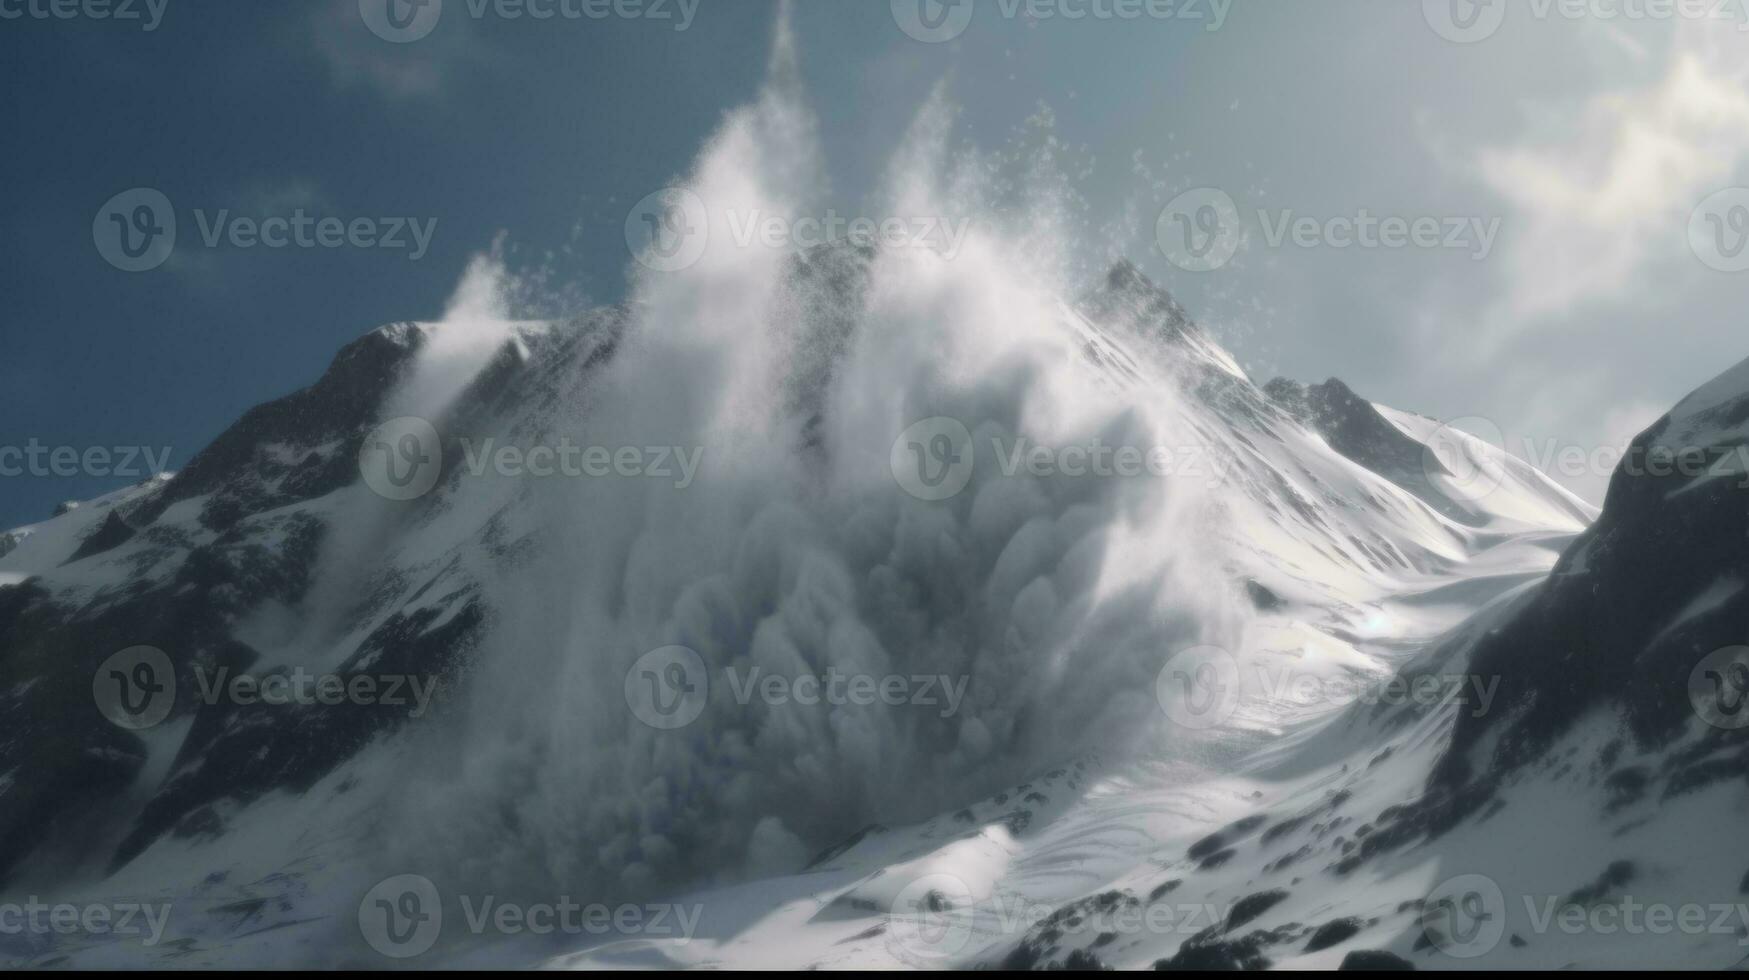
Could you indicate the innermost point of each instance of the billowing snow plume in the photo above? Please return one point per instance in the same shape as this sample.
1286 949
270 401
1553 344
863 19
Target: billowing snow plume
1040 608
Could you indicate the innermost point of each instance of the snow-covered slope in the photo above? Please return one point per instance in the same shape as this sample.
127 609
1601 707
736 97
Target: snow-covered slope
1570 794
269 553
1167 667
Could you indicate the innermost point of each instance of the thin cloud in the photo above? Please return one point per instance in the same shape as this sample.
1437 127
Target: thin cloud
419 69
1602 207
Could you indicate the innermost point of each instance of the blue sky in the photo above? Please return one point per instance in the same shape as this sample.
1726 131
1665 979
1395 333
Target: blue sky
1587 142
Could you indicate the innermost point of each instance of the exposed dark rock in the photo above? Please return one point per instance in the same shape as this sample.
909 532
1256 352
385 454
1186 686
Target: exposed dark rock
1251 906
1607 625
1216 859
1260 596
1206 951
1333 933
113 532
1374 959
1618 873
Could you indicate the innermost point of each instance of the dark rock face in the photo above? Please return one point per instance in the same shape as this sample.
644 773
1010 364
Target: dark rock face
1618 873
66 758
1062 940
1623 618
1247 909
239 473
1657 585
112 533
1333 933
1354 428
1374 959
1129 295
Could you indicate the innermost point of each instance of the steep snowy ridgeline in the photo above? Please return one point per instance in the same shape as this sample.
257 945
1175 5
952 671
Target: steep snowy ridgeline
1459 475
267 553
264 553
1573 796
